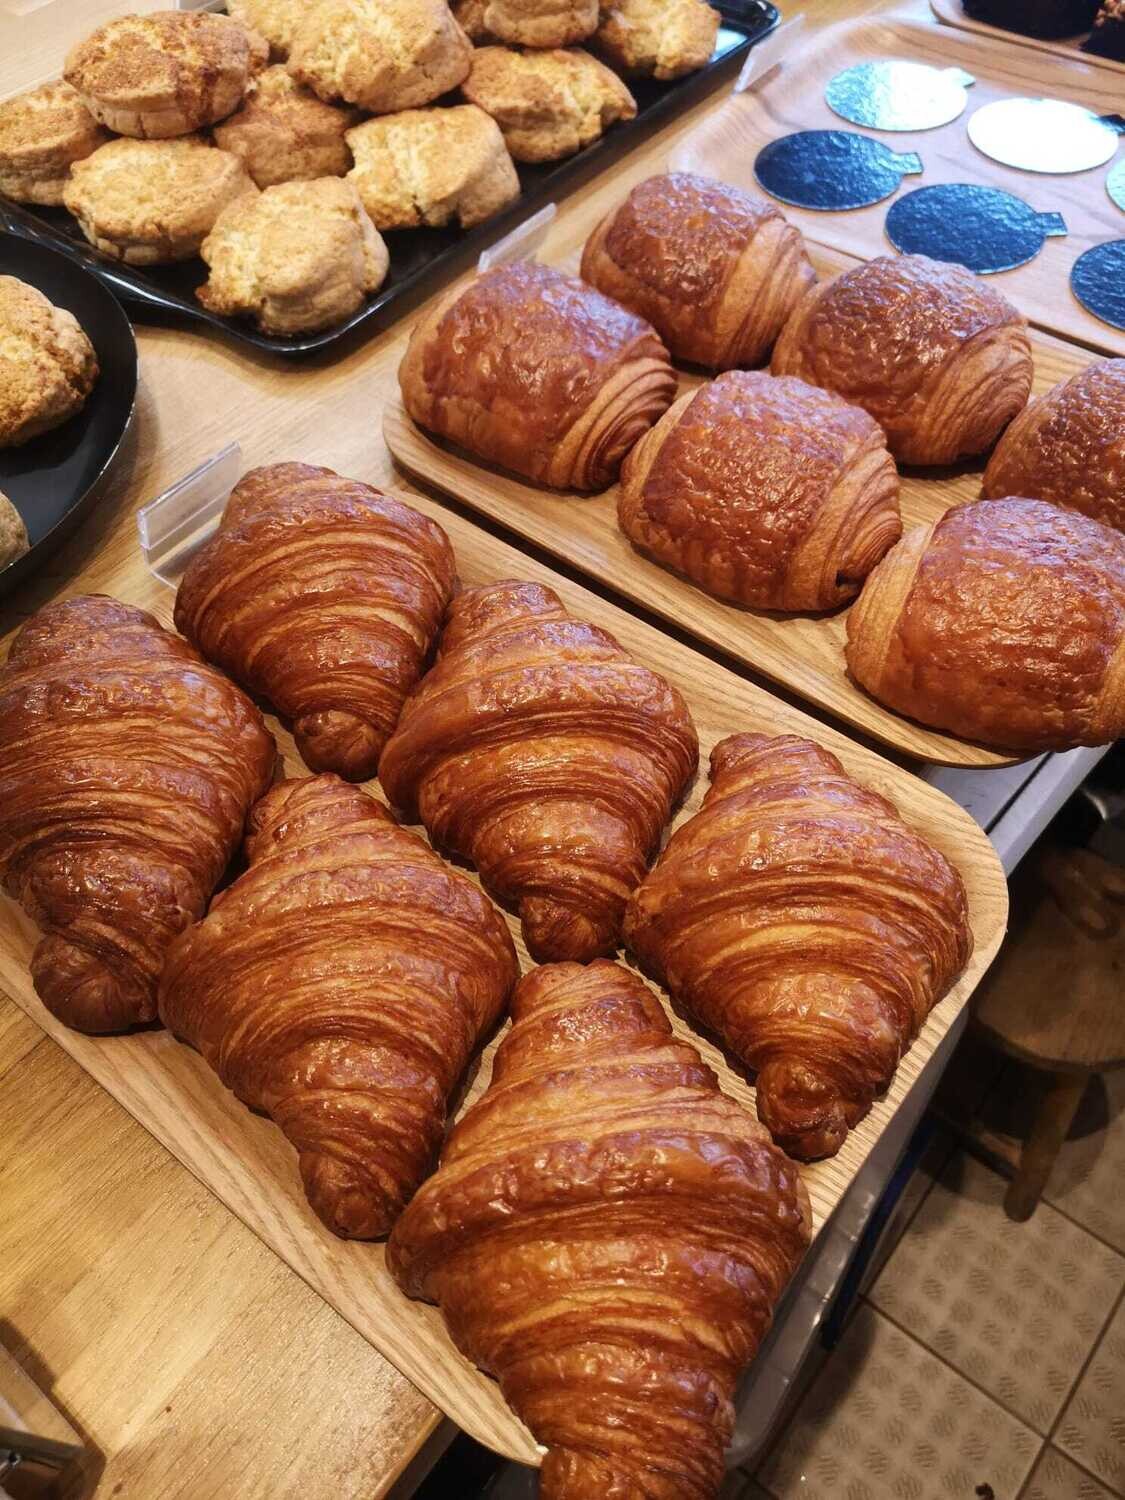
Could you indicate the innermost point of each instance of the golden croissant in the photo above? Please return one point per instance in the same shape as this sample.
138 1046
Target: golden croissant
127 768
800 919
608 1235
537 372
939 358
765 491
538 750
323 596
341 986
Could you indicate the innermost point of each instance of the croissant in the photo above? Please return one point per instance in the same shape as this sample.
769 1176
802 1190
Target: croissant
608 1235
540 752
715 270
127 767
798 917
323 596
763 490
1004 623
939 358
1069 446
537 372
341 985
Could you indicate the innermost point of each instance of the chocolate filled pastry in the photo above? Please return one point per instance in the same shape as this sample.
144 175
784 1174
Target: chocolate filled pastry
801 920
940 359
540 752
715 270
765 491
1003 623
536 372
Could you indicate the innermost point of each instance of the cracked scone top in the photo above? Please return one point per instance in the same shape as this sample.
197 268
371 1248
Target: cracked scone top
47 364
548 104
284 133
276 20
41 133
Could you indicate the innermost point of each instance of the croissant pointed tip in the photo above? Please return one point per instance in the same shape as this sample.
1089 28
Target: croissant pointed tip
336 740
346 1200
802 1109
555 933
84 992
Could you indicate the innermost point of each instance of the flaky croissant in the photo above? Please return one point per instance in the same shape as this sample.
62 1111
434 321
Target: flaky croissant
608 1235
538 750
799 918
1004 623
323 596
127 767
341 985
763 490
537 372
715 270
939 358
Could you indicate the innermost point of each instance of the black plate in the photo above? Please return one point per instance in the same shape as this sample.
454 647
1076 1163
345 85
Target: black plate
421 259
54 479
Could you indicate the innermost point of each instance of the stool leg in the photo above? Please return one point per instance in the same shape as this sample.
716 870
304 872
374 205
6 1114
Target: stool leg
1058 1104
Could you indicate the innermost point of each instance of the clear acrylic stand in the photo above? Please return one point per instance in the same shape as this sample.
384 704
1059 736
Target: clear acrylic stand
521 243
769 54
174 525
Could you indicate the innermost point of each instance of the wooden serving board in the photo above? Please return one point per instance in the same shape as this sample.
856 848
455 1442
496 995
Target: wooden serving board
247 1163
952 13
727 142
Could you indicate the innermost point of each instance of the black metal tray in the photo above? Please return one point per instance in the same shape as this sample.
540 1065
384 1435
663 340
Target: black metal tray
421 259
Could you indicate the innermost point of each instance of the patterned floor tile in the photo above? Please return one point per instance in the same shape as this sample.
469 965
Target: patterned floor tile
1092 1429
1015 1307
888 1421
1056 1478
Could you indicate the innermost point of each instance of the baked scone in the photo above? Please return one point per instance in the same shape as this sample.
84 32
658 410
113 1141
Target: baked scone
548 104
939 358
428 166
47 364
528 23
284 133
765 491
1003 623
13 533
536 371
715 270
148 202
657 38
298 257
41 133
1068 446
165 74
275 20
383 55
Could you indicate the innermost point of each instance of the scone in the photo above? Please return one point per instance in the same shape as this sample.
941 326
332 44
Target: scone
657 38
298 257
428 166
47 364
529 23
548 104
148 202
41 133
383 55
284 133
276 20
165 74
13 533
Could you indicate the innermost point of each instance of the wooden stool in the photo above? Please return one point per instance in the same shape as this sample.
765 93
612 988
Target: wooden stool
1055 997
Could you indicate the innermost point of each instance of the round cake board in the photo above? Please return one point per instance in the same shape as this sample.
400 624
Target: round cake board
897 95
832 170
982 228
1045 135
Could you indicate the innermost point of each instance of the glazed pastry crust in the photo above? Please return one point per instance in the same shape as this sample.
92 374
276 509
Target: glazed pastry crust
715 270
127 767
537 372
657 38
1068 447
1004 623
540 752
800 919
608 1235
764 491
341 986
41 133
284 133
548 104
47 364
939 358
323 596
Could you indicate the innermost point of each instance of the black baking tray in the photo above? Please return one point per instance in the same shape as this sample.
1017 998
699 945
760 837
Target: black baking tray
421 259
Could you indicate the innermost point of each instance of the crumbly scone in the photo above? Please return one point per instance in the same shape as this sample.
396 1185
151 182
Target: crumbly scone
428 166
382 55
284 133
469 15
41 133
13 533
47 364
299 257
165 74
548 104
276 20
529 23
149 202
659 38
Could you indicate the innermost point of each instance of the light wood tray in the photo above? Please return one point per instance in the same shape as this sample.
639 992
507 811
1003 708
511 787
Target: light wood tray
246 1161
727 142
952 13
